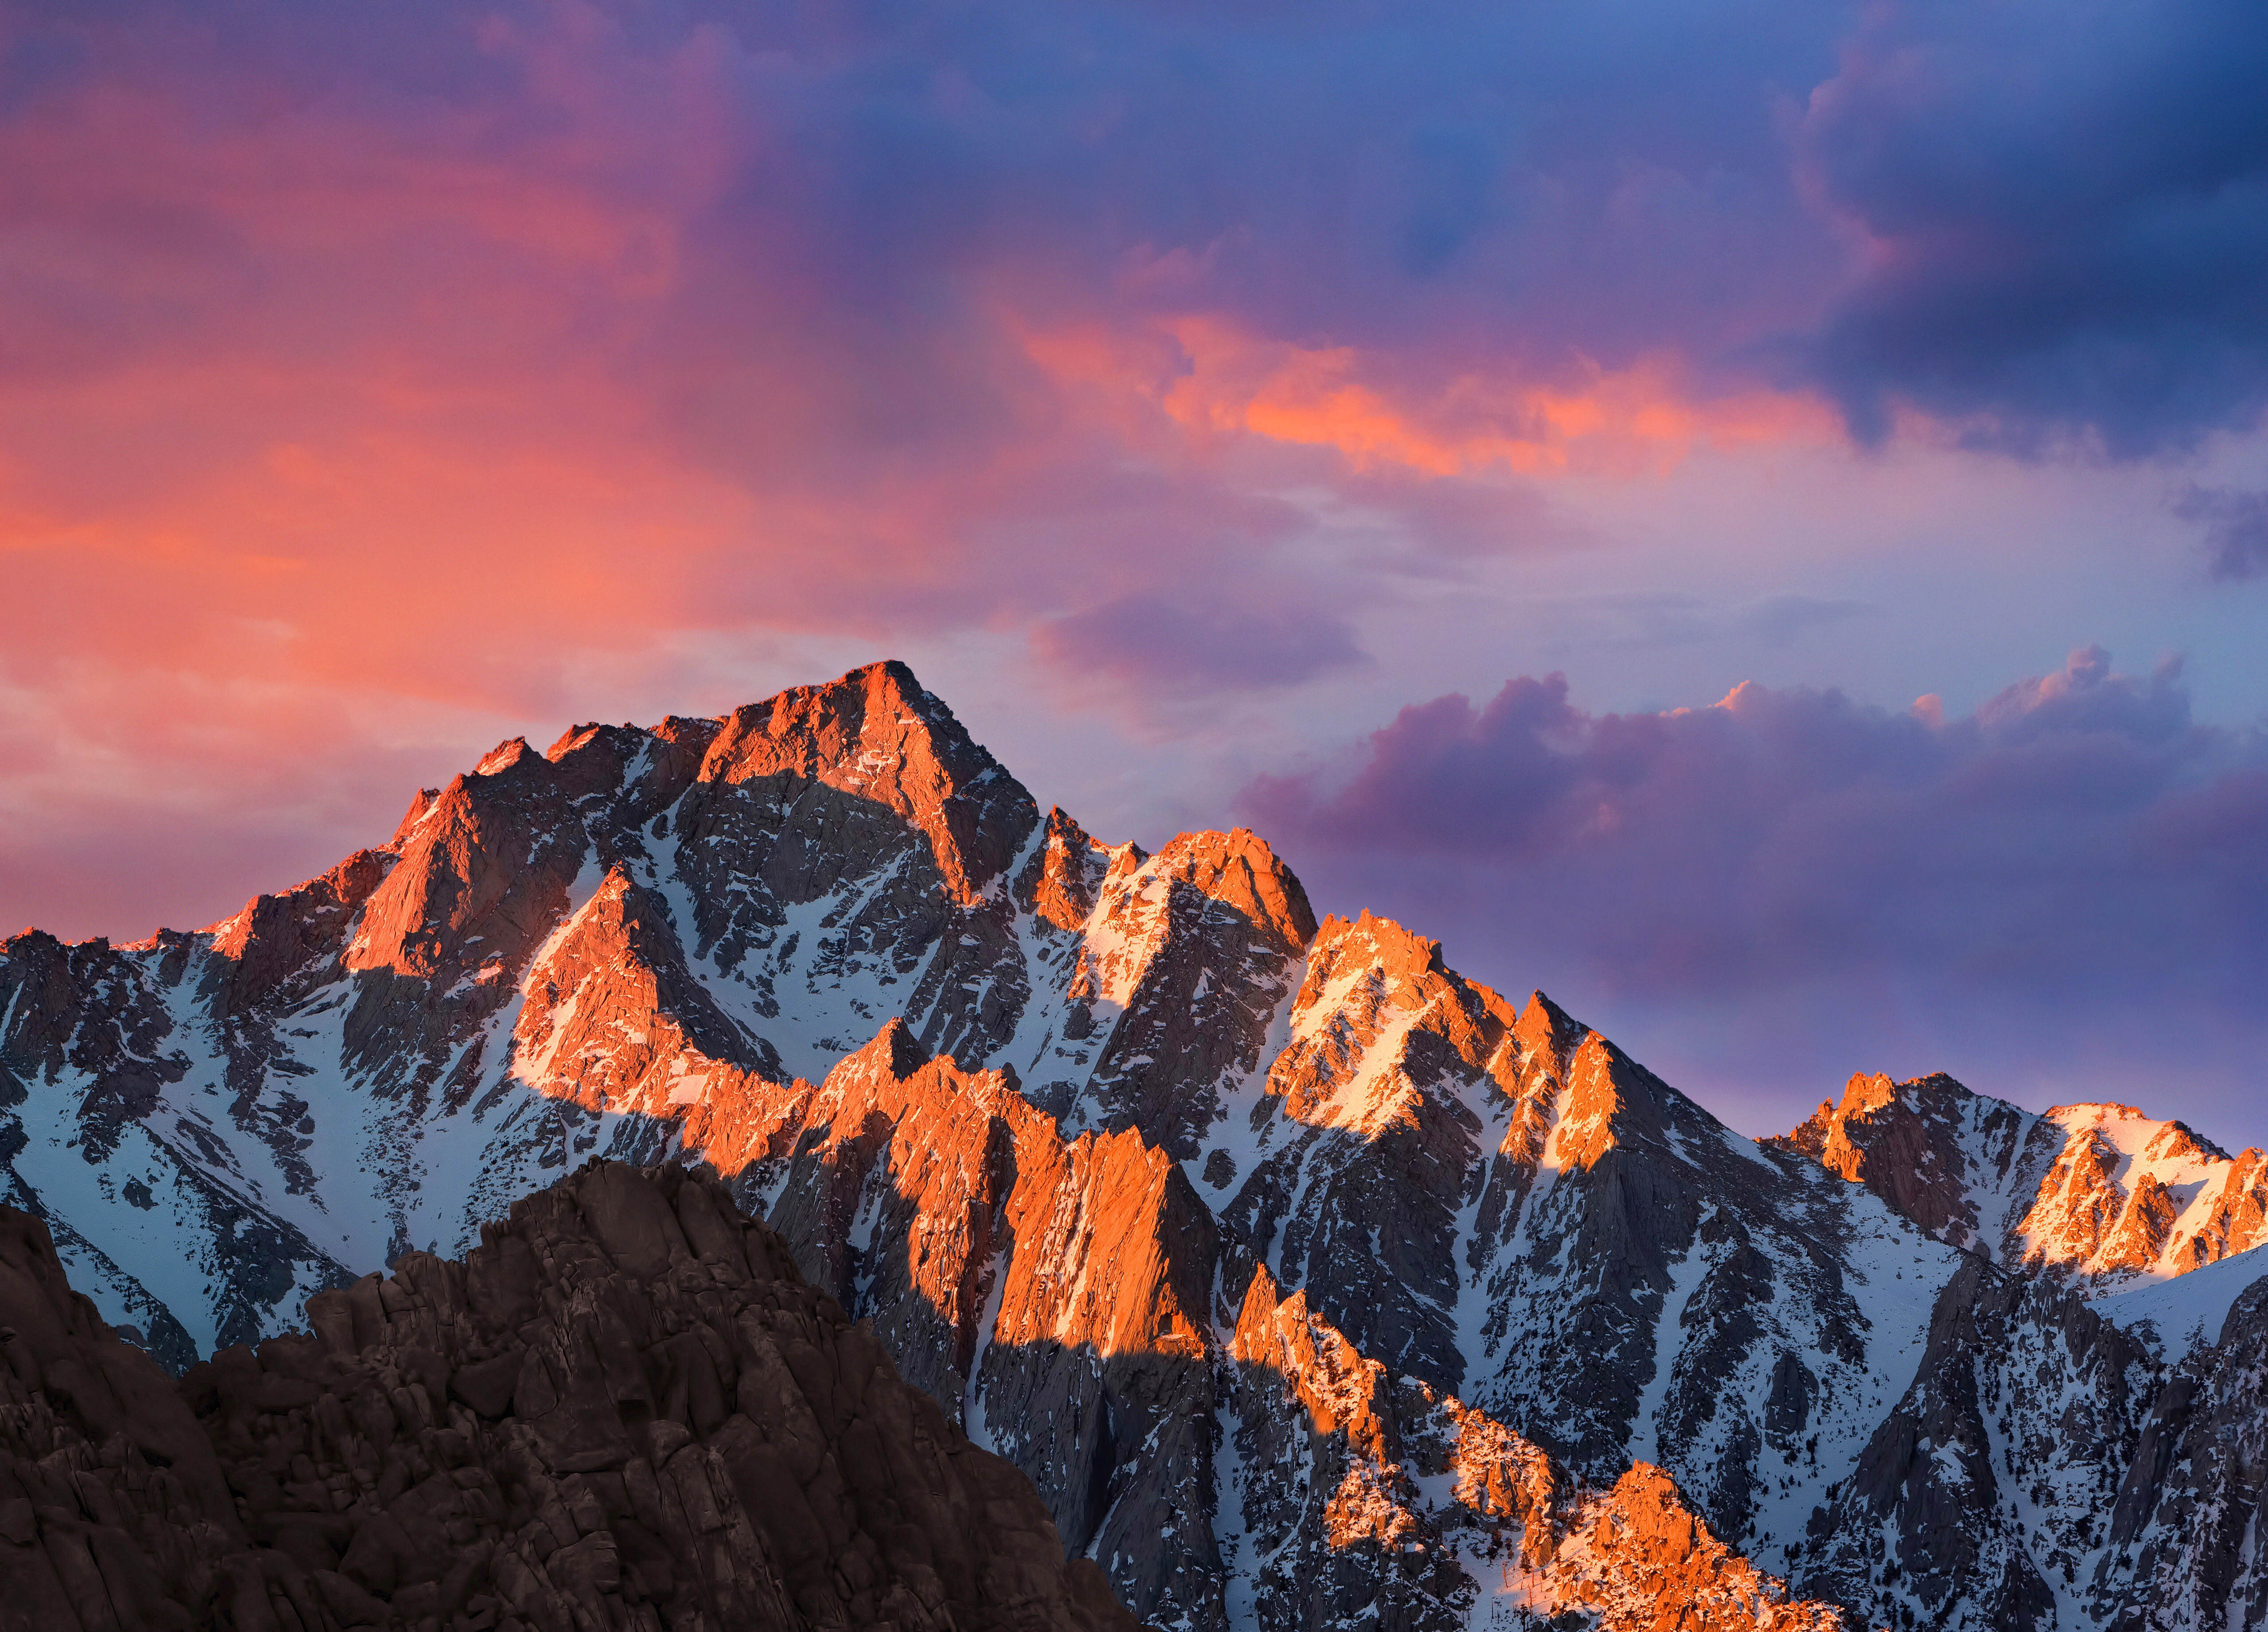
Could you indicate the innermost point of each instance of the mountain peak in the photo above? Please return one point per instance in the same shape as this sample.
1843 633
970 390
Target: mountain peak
1059 881
2133 1132
1239 870
895 1050
503 757
875 734
1865 1094
1940 1154
1546 1031
1399 951
976 1066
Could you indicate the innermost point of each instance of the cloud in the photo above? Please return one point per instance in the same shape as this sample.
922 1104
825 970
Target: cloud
433 360
422 358
2076 860
1194 642
2236 529
1783 620
2060 210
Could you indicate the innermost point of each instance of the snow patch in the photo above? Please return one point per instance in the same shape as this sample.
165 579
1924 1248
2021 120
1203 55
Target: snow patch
2186 1313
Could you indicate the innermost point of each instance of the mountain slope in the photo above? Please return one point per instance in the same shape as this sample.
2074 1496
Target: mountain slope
1047 1111
1349 1494
2048 1468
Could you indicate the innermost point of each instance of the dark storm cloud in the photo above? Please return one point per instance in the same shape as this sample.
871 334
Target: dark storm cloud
2065 209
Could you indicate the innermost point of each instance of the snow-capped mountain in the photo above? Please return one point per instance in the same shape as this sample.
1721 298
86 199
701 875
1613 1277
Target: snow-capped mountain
1305 1279
2100 1193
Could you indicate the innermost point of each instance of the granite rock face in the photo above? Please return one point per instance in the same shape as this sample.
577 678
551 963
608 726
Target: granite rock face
1051 1294
1982 1492
2050 1468
625 1409
2185 1544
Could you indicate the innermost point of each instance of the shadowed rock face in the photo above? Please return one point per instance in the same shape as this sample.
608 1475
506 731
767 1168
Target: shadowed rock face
1044 1109
626 1410
2188 1508
2047 1469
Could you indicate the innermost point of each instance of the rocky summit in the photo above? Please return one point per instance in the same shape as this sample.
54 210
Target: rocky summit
1306 1281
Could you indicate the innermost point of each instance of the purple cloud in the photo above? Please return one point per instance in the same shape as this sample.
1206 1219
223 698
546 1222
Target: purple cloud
2047 884
1197 642
2236 529
2064 211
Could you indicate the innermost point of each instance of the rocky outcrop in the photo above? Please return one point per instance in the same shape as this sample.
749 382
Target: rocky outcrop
1957 1164
1502 1203
2046 1469
2130 1198
625 1409
1176 976
1351 1495
134 1212
2185 1547
1350 1163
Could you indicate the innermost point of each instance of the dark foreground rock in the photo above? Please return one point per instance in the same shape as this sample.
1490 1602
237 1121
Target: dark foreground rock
625 1409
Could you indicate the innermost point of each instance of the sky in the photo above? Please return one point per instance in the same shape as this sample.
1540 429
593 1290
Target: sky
1750 518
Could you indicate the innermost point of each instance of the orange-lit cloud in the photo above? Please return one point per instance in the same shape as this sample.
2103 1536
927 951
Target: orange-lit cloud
1212 378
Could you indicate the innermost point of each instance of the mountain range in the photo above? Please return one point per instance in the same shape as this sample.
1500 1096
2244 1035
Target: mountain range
1306 1281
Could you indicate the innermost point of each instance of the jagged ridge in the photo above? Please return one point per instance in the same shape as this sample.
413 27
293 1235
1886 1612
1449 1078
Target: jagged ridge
1105 1092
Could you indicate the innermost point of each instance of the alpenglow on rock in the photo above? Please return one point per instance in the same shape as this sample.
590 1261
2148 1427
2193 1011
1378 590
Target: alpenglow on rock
1054 1115
2098 1193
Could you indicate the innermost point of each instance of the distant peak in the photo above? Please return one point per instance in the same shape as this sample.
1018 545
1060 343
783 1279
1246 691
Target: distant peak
895 1050
503 757
887 684
2168 1137
1934 1093
1240 869
421 804
893 671
2090 1111
874 734
1865 1092
575 736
